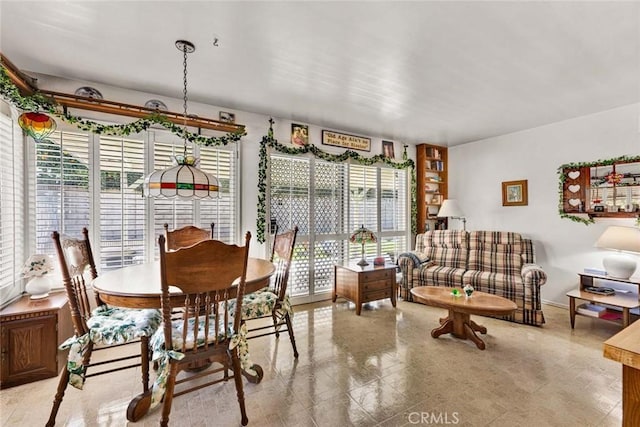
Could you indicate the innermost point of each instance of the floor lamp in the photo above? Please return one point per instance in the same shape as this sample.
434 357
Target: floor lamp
450 209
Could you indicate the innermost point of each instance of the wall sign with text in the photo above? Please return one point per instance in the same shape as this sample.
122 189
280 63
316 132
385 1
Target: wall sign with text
353 142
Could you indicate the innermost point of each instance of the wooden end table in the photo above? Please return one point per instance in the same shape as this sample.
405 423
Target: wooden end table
459 323
364 284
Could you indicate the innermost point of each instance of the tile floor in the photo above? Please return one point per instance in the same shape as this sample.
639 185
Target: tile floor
378 369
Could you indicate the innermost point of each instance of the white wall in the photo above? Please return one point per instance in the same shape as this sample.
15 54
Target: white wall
563 247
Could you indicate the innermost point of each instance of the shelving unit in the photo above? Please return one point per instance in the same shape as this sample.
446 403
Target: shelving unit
622 301
431 185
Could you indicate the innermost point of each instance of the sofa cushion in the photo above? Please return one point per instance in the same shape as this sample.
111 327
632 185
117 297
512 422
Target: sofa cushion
438 275
495 252
444 247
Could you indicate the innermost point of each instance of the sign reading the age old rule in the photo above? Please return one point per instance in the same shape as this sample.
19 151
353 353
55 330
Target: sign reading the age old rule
347 141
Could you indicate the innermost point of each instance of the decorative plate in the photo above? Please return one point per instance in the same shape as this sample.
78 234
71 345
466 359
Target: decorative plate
156 104
88 92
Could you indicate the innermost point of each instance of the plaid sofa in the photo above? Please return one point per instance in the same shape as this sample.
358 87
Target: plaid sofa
497 262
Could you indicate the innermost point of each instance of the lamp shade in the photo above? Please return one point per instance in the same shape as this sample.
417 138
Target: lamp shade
183 181
363 235
37 125
622 239
450 209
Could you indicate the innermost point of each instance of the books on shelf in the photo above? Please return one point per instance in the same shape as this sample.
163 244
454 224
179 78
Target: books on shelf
592 310
433 152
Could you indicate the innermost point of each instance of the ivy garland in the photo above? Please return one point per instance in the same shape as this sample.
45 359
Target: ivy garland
269 141
572 166
38 102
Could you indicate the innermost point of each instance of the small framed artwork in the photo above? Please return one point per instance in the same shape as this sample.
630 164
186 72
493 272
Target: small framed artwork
299 134
227 117
387 150
514 193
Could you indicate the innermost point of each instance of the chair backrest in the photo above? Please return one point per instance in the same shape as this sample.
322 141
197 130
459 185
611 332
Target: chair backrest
74 256
186 236
209 274
281 255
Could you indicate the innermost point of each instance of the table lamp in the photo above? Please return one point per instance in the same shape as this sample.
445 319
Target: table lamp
363 235
450 209
620 239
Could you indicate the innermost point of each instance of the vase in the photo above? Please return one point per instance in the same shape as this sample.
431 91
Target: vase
38 287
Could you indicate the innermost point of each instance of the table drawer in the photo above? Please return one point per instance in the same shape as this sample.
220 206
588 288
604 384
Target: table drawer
376 295
373 276
376 285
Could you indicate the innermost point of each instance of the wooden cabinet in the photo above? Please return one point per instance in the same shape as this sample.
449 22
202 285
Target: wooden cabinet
31 332
364 284
431 174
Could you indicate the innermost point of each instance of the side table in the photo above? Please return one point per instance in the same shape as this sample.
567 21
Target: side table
31 333
364 284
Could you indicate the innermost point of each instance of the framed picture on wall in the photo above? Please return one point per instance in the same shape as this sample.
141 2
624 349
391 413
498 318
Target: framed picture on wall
387 150
514 193
299 134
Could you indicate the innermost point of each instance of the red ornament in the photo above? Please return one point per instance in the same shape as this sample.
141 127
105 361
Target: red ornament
37 125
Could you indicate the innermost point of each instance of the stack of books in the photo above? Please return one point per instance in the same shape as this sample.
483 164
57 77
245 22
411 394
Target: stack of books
591 310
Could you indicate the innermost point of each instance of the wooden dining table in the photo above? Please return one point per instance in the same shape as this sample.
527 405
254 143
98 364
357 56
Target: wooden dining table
139 286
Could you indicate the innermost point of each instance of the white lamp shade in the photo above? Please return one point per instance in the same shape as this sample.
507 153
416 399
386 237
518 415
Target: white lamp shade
619 238
450 209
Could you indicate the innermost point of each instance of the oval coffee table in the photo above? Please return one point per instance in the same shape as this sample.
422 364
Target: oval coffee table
459 323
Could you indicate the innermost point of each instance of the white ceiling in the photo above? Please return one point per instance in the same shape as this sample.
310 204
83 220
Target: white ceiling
443 72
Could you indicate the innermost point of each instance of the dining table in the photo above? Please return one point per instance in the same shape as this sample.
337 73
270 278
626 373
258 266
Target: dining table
139 286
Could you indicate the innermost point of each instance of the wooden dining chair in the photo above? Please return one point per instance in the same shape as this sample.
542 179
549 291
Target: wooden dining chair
186 236
274 301
96 329
209 275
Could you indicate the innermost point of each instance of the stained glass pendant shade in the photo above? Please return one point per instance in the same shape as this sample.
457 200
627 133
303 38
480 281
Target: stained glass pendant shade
184 180
37 125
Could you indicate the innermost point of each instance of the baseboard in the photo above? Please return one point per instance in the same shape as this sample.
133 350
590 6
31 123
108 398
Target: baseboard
555 304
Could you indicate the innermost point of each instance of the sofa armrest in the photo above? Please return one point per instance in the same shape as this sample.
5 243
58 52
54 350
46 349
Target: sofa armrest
408 262
533 274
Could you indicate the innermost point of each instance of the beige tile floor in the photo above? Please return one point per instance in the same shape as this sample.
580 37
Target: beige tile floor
380 368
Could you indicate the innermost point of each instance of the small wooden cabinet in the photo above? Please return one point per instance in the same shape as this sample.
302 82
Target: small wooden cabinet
31 332
364 284
431 179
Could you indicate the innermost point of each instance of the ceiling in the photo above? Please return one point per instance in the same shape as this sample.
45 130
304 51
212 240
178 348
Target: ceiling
442 72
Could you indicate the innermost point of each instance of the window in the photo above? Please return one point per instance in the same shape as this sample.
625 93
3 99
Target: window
11 206
96 181
327 201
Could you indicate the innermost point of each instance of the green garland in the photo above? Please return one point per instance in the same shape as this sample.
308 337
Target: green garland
269 141
38 102
578 165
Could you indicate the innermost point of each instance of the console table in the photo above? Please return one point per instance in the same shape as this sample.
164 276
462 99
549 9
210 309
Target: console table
364 284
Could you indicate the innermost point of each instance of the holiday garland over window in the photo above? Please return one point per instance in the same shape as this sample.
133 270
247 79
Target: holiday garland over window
270 142
38 102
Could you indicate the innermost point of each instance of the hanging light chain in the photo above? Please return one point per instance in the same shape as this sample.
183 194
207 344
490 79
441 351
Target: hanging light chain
184 97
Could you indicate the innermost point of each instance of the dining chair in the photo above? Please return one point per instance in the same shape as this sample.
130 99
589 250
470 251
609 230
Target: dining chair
273 301
208 275
186 236
96 328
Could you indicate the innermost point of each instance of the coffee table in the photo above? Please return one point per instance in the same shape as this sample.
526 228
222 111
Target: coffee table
459 323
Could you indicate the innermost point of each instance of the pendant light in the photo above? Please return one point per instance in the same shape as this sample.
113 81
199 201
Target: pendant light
184 180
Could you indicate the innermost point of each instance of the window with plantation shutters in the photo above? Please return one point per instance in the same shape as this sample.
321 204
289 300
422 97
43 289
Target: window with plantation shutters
327 201
62 192
11 206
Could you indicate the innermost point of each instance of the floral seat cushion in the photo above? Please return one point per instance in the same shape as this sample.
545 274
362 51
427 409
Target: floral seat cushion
108 326
162 356
261 303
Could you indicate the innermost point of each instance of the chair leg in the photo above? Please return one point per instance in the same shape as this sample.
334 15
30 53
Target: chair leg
274 315
287 318
57 400
237 377
168 394
144 361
